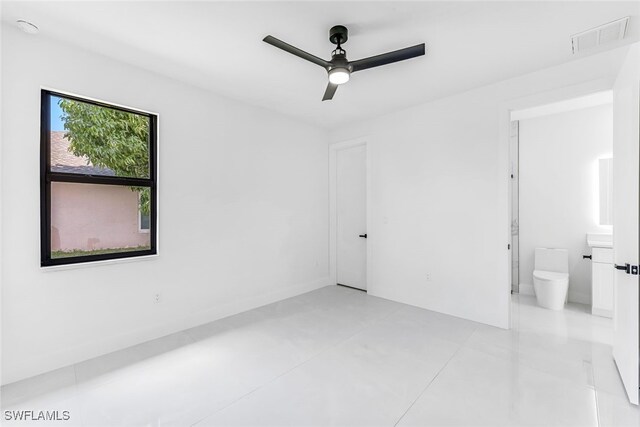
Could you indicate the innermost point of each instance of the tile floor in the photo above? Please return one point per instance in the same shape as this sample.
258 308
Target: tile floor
340 357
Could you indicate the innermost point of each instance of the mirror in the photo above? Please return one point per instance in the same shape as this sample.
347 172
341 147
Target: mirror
606 191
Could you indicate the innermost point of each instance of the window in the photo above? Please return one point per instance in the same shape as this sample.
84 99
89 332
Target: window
98 181
144 222
144 219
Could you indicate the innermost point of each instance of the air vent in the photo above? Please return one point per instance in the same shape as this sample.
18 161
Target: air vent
594 37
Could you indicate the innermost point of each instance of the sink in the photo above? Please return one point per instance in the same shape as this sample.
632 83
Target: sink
600 240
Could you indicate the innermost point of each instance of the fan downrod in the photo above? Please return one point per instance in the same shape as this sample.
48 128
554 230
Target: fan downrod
338 35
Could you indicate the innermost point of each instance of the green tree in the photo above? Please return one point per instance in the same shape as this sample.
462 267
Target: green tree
111 139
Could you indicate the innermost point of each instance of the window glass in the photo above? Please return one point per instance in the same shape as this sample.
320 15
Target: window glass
96 140
89 219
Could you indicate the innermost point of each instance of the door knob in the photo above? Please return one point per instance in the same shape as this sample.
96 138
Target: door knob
586 256
363 235
626 268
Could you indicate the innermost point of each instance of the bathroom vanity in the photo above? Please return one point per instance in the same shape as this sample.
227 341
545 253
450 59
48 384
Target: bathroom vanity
601 274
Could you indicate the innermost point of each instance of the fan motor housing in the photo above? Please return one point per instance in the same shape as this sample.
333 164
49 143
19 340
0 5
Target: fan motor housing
338 34
339 60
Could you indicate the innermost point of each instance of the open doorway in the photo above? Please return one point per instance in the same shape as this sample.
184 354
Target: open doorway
561 219
573 216
561 212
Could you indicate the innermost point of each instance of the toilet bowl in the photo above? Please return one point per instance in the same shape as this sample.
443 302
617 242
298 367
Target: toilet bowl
551 277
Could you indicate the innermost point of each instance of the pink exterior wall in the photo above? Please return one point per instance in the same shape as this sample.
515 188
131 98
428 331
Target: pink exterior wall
88 217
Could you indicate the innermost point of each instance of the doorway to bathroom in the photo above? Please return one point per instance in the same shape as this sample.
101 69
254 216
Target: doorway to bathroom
608 241
560 190
574 284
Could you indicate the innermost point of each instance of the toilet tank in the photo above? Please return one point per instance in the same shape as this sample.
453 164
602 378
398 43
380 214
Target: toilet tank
552 260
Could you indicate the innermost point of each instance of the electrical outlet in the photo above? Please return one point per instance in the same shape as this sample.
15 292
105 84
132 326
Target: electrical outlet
428 277
157 298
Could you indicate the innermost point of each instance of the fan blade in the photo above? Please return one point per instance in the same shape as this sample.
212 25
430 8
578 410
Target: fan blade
388 58
295 51
331 90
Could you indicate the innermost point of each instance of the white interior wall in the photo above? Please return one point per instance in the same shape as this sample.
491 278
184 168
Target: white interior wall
559 196
439 217
242 203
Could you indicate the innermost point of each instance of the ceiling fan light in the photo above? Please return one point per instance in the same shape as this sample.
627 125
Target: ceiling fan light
338 76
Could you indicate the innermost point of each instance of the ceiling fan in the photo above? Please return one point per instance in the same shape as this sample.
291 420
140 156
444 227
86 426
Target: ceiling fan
339 68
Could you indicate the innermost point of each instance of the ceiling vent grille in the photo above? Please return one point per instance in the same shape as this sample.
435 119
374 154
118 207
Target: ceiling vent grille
594 37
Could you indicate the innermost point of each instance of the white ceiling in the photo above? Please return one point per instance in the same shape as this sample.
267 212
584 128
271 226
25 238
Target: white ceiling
218 45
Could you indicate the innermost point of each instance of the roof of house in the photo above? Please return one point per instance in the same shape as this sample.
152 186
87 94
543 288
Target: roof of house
63 160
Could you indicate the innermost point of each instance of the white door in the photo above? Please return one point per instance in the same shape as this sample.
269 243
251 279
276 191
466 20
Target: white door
626 179
351 217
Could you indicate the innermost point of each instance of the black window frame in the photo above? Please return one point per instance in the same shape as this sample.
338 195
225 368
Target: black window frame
47 177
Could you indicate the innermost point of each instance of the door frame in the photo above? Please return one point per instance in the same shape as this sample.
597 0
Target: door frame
504 195
333 229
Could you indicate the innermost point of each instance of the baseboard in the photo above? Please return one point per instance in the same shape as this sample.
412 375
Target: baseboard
256 301
85 351
502 322
525 289
602 313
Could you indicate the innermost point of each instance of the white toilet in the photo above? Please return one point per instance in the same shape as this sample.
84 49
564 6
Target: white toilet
551 277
